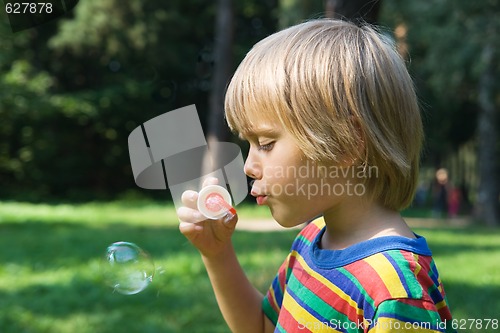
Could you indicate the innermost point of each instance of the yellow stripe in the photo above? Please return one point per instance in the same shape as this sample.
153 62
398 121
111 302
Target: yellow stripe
391 325
419 267
273 298
441 305
340 293
440 286
319 222
388 274
304 319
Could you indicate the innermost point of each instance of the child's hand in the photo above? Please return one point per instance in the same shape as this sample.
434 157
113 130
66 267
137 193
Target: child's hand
210 237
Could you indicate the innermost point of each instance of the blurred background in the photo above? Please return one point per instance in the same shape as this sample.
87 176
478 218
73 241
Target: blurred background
72 89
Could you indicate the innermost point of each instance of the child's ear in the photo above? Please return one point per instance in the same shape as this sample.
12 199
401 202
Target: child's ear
358 154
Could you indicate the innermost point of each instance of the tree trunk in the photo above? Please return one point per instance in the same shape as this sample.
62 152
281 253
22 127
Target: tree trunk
217 130
488 204
353 10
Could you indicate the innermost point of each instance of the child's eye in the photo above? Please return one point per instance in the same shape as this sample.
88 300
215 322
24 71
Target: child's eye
266 147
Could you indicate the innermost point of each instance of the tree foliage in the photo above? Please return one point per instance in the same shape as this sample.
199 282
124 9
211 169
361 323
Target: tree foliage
446 40
72 90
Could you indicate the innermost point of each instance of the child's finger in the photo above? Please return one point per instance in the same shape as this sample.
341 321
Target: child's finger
230 221
210 181
189 229
189 199
190 215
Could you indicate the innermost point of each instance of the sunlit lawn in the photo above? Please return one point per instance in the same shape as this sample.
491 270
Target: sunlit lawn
51 262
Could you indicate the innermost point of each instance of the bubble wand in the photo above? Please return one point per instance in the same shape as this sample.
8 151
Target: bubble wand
214 202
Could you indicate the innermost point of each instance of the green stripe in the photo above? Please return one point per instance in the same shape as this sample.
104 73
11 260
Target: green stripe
317 304
434 287
399 310
432 276
410 280
269 311
303 239
280 328
358 285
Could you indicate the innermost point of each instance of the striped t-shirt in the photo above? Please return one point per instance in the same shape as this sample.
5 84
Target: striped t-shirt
386 284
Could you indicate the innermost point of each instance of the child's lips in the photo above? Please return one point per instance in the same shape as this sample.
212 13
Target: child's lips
261 199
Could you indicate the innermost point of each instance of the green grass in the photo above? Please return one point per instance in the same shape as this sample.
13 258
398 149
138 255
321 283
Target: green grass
51 264
468 260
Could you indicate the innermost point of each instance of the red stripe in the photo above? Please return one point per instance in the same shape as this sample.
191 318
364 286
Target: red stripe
325 293
310 231
423 276
417 303
373 285
284 269
281 281
288 322
410 259
445 313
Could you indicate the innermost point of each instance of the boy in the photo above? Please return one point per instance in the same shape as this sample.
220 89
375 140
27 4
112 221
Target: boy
335 131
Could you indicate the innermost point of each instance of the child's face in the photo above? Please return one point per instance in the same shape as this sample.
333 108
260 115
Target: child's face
285 180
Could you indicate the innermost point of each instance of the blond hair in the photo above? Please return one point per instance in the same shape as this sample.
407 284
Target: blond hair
343 92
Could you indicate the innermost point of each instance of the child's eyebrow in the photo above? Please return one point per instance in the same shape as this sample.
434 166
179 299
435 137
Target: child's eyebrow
258 132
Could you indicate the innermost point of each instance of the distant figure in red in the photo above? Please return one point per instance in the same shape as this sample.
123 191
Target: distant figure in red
454 199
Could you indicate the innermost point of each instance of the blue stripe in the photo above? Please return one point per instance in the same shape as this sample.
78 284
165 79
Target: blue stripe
321 320
395 264
278 292
360 296
300 242
341 279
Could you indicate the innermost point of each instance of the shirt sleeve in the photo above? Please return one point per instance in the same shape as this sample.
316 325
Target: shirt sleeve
408 315
273 299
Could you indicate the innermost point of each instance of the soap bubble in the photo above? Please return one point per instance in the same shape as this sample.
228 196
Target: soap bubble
214 202
128 268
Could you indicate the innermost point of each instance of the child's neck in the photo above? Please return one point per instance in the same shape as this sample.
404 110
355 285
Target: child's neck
356 220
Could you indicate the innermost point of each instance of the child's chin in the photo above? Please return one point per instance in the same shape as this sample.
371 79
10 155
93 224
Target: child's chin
286 221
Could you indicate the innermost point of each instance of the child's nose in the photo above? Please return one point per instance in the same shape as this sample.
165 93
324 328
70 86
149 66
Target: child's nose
252 168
